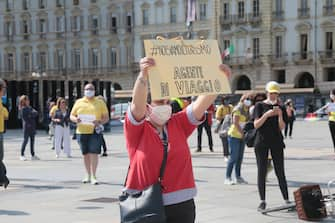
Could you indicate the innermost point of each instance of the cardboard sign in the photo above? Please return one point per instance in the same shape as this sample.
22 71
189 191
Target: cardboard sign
185 68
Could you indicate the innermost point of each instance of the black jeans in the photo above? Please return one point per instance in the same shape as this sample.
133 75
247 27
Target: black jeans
225 145
26 136
181 213
332 131
278 163
209 134
289 124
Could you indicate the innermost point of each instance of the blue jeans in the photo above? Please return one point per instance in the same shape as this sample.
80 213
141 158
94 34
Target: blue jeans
236 147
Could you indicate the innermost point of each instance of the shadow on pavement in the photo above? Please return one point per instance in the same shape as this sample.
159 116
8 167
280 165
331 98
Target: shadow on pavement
13 213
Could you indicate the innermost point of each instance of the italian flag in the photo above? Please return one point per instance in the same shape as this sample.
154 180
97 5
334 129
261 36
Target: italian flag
228 51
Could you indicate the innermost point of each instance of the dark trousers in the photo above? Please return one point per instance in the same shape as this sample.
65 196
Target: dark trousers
289 125
278 163
26 136
225 146
181 213
103 143
332 131
3 172
209 134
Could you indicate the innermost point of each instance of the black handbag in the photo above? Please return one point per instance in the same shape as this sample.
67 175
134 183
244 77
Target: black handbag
145 206
249 134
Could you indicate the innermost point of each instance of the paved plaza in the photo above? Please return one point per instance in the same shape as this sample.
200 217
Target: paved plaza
50 190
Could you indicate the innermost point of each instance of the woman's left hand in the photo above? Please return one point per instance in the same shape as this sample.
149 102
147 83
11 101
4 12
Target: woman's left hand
226 69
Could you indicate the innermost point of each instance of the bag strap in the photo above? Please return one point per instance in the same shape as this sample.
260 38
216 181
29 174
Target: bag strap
165 153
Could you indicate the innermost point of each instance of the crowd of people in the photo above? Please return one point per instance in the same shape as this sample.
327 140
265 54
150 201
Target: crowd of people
148 123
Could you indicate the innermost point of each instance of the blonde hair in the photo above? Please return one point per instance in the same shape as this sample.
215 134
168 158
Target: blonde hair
23 101
59 100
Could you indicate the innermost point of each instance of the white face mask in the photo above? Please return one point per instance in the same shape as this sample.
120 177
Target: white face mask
247 102
89 93
160 114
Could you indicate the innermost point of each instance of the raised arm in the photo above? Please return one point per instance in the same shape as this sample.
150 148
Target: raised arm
140 91
204 101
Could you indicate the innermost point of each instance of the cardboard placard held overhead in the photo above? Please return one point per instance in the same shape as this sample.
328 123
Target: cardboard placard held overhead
185 68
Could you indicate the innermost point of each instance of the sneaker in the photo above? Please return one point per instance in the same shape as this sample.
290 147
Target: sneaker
35 158
262 206
57 156
228 181
94 180
198 150
211 149
87 179
240 180
226 159
23 158
104 154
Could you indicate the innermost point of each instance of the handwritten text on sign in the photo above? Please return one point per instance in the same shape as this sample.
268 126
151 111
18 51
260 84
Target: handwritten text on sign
185 68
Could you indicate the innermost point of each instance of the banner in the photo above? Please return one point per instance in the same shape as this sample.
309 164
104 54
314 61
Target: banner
185 68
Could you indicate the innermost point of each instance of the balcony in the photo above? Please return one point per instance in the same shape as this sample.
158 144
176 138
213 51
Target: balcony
60 34
327 56
304 13
278 60
278 15
26 36
226 20
43 36
9 37
302 58
240 19
94 31
255 18
328 10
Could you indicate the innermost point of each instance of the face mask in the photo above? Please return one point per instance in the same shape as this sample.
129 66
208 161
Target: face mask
89 93
247 103
160 114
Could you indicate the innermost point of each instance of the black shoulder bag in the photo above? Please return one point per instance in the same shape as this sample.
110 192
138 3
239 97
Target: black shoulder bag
145 206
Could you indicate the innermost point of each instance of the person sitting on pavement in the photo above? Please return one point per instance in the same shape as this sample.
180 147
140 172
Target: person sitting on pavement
146 124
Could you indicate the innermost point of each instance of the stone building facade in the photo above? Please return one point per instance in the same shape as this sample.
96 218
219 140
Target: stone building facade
50 47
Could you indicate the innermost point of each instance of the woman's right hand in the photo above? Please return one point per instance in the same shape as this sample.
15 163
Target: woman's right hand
145 64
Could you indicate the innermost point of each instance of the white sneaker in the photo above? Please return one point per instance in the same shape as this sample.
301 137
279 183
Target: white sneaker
57 156
228 181
23 158
87 179
94 180
226 159
35 158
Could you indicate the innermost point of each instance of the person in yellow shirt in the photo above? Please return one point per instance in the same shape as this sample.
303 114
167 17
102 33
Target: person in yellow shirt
3 116
89 113
221 112
235 139
331 114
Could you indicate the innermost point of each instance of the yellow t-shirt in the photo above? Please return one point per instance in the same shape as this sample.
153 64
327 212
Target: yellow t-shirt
3 117
222 111
93 107
233 131
53 110
331 116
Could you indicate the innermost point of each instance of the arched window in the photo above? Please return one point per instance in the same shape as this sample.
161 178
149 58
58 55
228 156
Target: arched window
243 83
